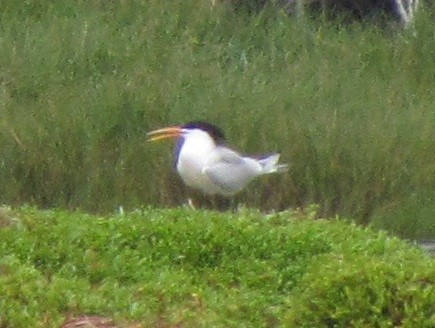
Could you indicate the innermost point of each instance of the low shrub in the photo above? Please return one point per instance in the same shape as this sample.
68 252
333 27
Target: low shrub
167 268
357 290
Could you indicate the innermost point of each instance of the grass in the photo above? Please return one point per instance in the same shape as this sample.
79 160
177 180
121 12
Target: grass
349 106
183 268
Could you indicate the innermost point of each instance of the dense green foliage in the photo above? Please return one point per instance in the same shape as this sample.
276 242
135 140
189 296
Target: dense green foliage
350 107
164 268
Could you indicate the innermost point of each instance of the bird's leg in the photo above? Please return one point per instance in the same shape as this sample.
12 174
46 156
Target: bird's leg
195 200
236 206
190 204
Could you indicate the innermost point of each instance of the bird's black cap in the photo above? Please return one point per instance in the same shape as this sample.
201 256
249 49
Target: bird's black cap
216 133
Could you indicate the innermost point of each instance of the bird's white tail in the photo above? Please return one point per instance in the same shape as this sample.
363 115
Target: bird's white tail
270 164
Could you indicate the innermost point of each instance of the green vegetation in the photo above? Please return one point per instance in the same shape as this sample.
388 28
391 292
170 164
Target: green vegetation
350 107
171 268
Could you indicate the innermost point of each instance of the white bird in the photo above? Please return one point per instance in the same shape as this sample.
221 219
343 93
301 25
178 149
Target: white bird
204 162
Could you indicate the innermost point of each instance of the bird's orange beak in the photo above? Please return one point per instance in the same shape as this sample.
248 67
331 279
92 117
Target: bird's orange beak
165 133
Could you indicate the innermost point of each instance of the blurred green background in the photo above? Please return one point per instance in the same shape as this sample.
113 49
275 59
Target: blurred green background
349 105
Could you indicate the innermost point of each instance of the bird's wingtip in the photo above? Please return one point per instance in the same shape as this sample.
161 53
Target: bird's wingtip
270 164
282 167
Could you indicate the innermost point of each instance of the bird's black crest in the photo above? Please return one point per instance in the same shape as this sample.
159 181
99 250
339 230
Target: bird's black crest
216 133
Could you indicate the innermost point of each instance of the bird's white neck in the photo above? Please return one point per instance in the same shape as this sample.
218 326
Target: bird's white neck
197 145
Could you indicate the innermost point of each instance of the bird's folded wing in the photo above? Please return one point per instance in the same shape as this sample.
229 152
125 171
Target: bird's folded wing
226 155
230 171
224 175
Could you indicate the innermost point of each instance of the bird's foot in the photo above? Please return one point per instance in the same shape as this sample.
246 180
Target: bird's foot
190 204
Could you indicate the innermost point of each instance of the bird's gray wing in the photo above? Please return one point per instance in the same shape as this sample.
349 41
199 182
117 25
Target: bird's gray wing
230 171
227 155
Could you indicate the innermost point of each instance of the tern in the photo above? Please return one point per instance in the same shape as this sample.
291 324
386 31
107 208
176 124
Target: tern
204 161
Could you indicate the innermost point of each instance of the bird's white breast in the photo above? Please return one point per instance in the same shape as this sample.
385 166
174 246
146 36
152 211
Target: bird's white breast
194 154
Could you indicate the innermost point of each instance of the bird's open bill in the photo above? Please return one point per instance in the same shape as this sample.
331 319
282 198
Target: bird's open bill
165 133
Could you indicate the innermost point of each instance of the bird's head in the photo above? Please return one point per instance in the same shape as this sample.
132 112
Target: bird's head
197 129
